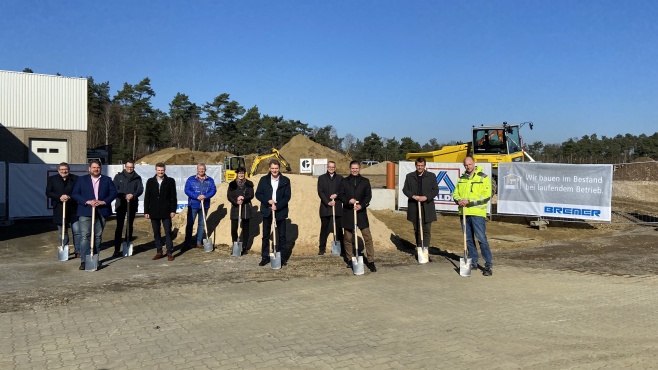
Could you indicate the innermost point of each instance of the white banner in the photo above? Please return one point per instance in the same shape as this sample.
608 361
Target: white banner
27 184
578 191
447 175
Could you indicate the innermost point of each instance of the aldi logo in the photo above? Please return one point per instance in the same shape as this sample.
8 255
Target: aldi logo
446 180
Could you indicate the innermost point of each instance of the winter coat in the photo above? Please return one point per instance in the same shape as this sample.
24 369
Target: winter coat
55 188
234 192
124 186
477 189
83 190
195 187
327 186
355 187
429 189
283 194
160 199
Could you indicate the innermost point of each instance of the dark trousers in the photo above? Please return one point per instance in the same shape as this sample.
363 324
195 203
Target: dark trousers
121 221
166 224
244 237
280 233
326 224
427 234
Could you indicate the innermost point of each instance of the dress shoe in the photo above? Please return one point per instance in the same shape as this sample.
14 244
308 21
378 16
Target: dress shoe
349 264
76 255
372 267
264 261
200 246
117 254
157 256
284 263
321 252
82 266
170 257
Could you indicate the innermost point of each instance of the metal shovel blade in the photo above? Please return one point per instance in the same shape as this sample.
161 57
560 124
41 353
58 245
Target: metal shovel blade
335 247
465 267
127 249
91 263
357 265
275 260
237 249
63 253
423 255
207 245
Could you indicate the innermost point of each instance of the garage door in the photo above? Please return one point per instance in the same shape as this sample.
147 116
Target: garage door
48 151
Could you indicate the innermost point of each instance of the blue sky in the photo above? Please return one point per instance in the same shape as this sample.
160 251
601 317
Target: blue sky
424 69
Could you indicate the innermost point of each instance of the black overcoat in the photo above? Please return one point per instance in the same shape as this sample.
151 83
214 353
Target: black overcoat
355 187
328 185
55 188
430 190
160 202
247 192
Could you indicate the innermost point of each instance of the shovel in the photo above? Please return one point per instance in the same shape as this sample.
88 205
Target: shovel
335 245
63 250
237 245
357 261
127 246
91 260
207 243
421 251
464 263
275 257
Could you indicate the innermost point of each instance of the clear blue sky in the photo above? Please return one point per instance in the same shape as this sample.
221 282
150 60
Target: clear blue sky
397 68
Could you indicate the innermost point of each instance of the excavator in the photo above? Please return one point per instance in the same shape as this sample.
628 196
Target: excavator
492 143
231 164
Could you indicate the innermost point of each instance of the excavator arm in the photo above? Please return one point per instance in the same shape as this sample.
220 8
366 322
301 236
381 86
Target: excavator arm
259 158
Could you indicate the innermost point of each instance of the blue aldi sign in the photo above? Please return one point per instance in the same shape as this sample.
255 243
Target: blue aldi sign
445 180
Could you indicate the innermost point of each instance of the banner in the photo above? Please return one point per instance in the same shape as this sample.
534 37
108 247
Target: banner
447 175
578 191
27 184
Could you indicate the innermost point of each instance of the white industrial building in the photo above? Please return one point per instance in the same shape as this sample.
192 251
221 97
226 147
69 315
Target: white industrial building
43 118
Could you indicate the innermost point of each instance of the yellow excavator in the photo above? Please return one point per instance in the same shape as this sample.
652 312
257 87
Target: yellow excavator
231 164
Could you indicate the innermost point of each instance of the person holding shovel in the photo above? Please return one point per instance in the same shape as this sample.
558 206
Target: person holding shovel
199 189
420 188
59 188
129 187
472 193
330 206
93 191
356 193
274 193
240 193
160 204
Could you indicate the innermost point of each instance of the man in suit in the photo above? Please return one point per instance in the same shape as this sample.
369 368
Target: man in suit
160 207
59 189
93 190
129 187
420 187
274 193
328 189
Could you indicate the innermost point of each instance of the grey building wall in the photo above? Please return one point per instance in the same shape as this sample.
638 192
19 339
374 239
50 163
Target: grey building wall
15 143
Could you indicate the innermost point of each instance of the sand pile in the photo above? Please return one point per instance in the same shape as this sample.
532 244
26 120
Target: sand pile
183 156
378 169
304 220
638 171
302 147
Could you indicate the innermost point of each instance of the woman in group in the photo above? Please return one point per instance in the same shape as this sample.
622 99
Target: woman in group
240 193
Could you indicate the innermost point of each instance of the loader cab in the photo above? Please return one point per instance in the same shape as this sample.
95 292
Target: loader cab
231 164
496 139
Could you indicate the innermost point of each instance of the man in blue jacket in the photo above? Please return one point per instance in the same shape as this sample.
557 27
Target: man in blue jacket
199 189
93 190
274 193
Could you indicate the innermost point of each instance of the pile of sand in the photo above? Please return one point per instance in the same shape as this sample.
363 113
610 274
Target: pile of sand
302 147
378 169
183 156
638 171
304 226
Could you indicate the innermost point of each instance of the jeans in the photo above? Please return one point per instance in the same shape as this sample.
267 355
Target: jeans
75 230
85 235
191 215
280 233
476 226
166 224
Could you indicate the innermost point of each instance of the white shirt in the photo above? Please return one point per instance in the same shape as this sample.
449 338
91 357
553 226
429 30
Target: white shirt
275 185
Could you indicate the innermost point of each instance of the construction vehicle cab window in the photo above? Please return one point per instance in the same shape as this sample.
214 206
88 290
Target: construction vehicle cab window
231 164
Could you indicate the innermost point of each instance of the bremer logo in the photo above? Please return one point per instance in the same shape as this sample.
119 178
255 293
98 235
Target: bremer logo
446 186
572 211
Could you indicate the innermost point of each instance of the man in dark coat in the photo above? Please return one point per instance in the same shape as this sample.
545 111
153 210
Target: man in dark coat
328 189
129 187
420 187
160 204
93 191
59 188
240 193
356 193
274 193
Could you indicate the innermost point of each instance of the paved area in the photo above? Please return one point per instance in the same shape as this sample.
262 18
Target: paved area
405 316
